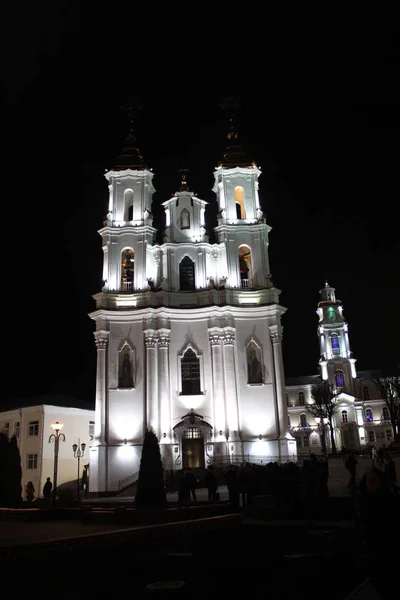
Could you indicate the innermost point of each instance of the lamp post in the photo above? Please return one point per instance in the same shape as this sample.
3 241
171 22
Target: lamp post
56 437
79 452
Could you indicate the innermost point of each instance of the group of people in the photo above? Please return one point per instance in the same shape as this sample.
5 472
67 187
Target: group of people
30 490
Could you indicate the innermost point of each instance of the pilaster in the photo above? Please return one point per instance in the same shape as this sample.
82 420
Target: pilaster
152 413
230 382
163 386
276 337
100 433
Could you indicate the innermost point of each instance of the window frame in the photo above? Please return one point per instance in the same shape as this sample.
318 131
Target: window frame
34 424
32 456
200 357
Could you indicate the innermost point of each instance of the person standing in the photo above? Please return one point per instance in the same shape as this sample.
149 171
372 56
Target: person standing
48 486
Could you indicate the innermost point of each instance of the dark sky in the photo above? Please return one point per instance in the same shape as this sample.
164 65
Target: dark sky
319 115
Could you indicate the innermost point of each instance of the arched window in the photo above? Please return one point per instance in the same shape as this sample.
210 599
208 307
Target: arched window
335 344
190 373
127 270
185 219
289 425
245 267
128 205
365 393
339 378
239 201
302 399
368 415
303 420
344 416
385 413
186 275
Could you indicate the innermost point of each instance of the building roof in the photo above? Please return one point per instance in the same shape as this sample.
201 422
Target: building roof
51 399
300 380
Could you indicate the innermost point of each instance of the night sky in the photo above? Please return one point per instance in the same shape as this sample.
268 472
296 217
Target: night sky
319 114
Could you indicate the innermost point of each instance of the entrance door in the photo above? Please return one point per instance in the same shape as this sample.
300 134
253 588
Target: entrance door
193 448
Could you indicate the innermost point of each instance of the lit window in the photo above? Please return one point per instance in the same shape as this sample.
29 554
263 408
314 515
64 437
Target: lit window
192 433
339 378
190 373
335 344
301 398
33 428
368 415
32 461
127 270
344 416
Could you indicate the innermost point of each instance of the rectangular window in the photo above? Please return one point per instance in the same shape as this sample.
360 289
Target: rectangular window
33 428
298 442
305 441
371 437
388 434
91 430
6 428
16 429
31 461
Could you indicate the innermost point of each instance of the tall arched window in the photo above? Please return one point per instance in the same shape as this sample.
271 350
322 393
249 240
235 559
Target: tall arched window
289 425
335 344
245 267
385 414
186 275
344 416
190 373
185 219
127 270
302 399
239 202
365 393
303 420
339 378
128 205
368 415
125 375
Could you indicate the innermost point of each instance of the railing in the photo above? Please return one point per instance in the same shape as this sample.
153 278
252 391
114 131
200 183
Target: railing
239 459
245 283
130 480
126 286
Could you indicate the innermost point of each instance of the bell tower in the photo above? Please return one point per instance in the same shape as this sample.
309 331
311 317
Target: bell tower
336 362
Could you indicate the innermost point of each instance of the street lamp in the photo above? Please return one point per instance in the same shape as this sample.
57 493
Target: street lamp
56 437
79 452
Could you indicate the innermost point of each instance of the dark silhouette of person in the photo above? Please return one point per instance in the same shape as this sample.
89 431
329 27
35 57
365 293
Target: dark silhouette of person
48 486
351 466
211 484
184 490
191 480
232 484
30 491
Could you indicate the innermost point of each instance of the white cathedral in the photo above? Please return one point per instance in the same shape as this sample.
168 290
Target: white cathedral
188 332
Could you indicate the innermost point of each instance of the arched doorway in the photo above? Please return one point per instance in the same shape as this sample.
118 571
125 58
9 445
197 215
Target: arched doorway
193 448
194 434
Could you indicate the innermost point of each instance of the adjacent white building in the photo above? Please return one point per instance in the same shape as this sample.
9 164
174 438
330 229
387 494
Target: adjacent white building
188 332
31 425
361 416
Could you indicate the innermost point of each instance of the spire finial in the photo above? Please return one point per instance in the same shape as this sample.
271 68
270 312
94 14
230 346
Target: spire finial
231 106
184 184
131 157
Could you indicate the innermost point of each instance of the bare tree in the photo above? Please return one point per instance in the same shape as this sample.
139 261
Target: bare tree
324 408
389 390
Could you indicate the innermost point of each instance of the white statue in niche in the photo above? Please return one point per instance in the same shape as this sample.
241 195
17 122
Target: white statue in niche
125 369
254 367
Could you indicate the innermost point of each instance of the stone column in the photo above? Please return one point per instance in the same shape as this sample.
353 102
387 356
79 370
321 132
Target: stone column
230 383
220 423
276 337
163 386
151 419
100 433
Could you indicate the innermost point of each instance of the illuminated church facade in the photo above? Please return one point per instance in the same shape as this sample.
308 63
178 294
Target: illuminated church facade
188 332
188 335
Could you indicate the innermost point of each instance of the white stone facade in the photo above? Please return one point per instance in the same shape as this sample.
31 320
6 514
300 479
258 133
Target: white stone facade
188 332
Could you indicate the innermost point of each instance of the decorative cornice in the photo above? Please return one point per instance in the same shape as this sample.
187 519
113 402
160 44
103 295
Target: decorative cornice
101 339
